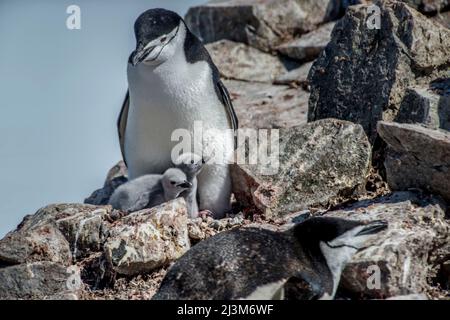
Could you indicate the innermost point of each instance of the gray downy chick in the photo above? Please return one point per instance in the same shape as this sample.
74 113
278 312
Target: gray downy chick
191 164
149 190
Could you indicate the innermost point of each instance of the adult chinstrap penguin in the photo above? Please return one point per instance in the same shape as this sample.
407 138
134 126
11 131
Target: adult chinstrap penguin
173 84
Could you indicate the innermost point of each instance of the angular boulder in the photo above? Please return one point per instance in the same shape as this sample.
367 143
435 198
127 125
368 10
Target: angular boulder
148 239
238 61
396 262
417 157
56 233
298 76
319 163
37 243
310 45
85 231
262 105
429 106
262 24
362 75
39 280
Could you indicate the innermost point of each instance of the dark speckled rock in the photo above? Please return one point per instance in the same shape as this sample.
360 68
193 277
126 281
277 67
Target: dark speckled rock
363 74
262 24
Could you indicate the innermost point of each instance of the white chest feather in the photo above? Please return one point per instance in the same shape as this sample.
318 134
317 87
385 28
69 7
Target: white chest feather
170 96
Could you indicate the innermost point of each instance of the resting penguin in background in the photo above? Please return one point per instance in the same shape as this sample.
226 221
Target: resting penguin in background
250 263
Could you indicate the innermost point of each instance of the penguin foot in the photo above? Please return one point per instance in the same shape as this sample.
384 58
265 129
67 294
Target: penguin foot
204 214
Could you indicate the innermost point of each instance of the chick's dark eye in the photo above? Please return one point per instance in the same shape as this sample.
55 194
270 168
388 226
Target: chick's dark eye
163 39
172 182
192 161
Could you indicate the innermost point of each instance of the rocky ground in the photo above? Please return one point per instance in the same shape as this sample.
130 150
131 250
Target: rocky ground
363 115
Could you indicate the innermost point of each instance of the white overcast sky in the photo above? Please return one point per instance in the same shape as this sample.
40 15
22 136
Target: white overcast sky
61 91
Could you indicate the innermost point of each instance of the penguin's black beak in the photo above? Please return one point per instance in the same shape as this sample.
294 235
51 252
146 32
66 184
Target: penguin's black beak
139 54
185 184
373 227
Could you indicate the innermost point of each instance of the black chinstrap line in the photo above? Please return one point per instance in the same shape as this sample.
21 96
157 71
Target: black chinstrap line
341 246
170 40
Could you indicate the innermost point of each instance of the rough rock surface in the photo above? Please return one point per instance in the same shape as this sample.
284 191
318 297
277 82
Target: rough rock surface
262 24
262 105
86 231
410 297
148 239
429 106
428 6
297 76
39 280
310 45
35 243
417 157
362 74
241 62
116 176
443 18
417 227
56 233
319 162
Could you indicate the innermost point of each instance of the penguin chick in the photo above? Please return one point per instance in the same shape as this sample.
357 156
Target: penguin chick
191 164
149 190
251 263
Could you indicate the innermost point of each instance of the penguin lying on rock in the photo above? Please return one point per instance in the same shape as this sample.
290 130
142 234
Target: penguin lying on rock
251 263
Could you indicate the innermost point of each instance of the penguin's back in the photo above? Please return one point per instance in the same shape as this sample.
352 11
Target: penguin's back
233 265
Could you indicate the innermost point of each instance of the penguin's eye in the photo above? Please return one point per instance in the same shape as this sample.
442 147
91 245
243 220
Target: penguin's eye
192 161
172 182
163 39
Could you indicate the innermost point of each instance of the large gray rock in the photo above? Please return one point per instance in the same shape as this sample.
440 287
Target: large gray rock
241 62
417 227
116 176
262 105
310 45
86 230
417 157
39 280
56 233
148 239
429 106
36 243
363 73
319 163
262 24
